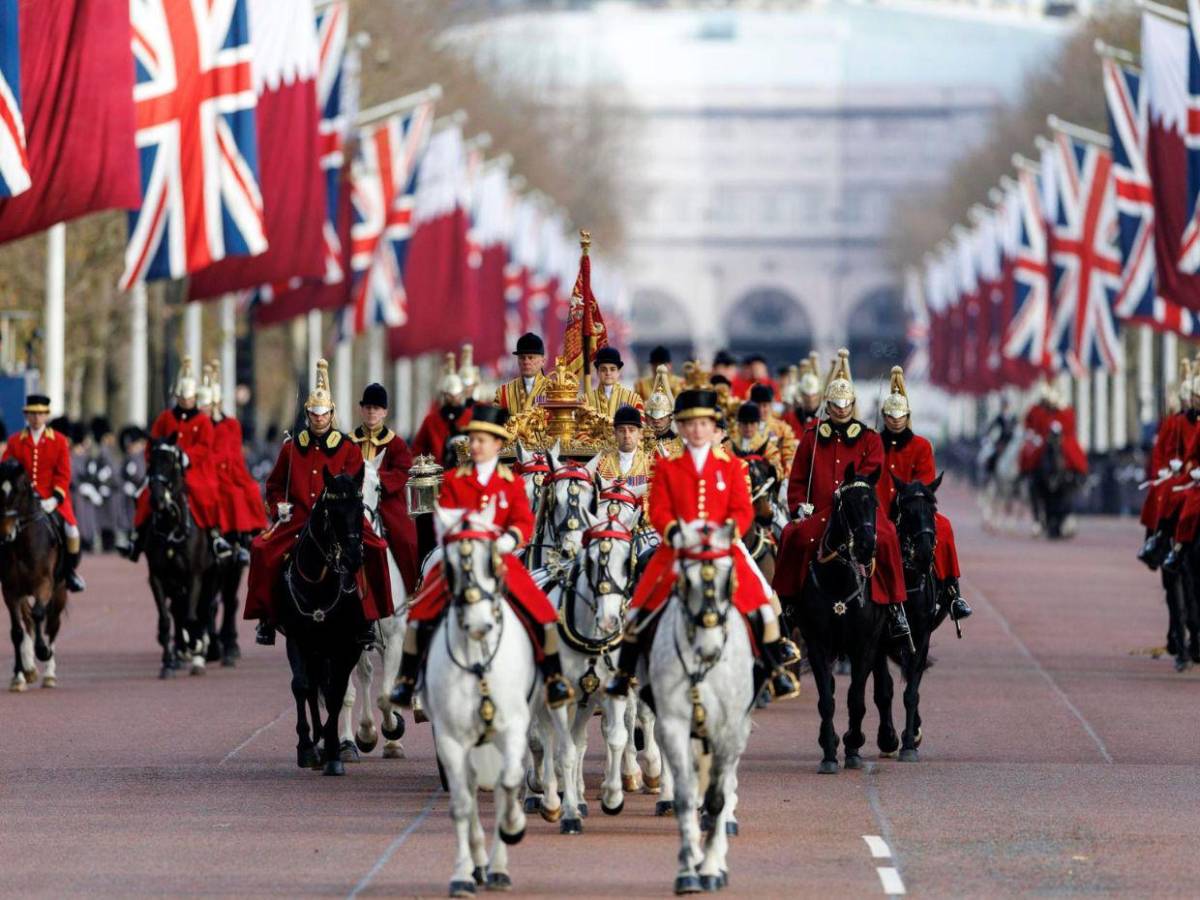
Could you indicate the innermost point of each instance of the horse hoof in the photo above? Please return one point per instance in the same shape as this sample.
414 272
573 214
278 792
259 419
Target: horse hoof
49 682
462 889
731 830
571 826
197 667
511 839
394 734
723 880
710 883
853 761
1181 664
306 758
334 767
31 676
228 661
664 808
16 687
827 767
499 881
652 784
909 755
166 672
629 784
366 746
347 752
393 751
612 810
688 884
888 754
533 805
551 815
479 875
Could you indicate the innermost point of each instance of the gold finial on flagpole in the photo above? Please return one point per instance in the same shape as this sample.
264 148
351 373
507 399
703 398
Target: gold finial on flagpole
585 241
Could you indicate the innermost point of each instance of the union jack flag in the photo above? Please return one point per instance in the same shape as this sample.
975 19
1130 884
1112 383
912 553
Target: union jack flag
1129 127
332 31
14 163
383 187
1189 250
1085 251
1025 333
195 98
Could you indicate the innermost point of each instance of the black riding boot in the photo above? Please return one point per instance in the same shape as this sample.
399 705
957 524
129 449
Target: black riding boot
242 548
265 633
627 659
558 690
416 642
1149 552
898 627
959 608
1173 561
774 657
75 583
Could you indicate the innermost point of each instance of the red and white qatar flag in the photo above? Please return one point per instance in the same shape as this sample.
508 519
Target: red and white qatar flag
283 34
491 234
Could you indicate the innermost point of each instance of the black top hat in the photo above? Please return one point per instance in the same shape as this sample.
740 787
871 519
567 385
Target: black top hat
696 403
627 415
660 356
530 343
761 393
490 419
749 413
609 355
724 358
374 394
718 379
37 403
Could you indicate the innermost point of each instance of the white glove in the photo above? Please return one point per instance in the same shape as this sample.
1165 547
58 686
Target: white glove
1176 465
283 512
677 538
90 494
187 460
1195 474
50 504
1164 472
803 511
506 543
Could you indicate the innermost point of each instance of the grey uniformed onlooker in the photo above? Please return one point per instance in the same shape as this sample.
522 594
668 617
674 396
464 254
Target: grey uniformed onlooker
130 480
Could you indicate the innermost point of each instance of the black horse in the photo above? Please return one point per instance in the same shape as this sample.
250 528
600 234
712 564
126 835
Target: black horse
1051 487
836 614
320 611
1182 586
183 570
913 510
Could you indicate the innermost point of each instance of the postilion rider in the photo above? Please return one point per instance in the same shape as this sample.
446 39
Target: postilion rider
476 485
702 482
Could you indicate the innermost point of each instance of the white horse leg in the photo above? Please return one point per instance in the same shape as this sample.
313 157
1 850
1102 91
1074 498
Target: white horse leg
365 735
579 739
716 842
677 746
50 670
552 809
346 713
393 646
653 769
454 761
616 738
478 839
28 663
631 774
510 818
567 759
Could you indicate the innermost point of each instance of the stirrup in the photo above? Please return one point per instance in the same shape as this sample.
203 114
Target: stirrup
75 582
221 548
265 634
558 691
784 685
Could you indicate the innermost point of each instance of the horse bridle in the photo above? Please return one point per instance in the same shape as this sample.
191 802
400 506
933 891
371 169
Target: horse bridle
710 615
38 515
172 504
332 558
574 511
844 551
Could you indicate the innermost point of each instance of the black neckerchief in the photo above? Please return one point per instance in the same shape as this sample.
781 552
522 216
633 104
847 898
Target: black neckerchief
896 440
184 414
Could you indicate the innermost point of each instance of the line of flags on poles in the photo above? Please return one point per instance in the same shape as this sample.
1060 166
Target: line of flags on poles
231 130
1101 230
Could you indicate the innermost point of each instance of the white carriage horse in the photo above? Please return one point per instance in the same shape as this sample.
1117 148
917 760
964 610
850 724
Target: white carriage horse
481 686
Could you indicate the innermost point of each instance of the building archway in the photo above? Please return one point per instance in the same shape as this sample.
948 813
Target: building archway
660 319
772 322
876 333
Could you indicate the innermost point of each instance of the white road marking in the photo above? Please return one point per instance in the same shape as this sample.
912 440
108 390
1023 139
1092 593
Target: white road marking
878 846
1028 654
246 743
395 845
890 879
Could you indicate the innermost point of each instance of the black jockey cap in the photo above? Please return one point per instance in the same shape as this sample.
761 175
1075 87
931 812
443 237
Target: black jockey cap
724 358
660 356
530 343
609 355
490 419
374 394
627 415
696 403
761 393
719 379
749 414
37 403
101 427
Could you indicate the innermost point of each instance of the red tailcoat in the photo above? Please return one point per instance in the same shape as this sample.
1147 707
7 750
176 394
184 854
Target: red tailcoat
401 530
799 420
305 460
1038 422
823 456
48 465
241 499
433 434
195 431
461 489
719 492
1164 503
909 457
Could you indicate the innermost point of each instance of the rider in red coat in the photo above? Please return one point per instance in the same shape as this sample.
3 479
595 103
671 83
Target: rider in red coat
444 420
1167 468
293 488
702 482
909 457
388 459
1039 421
195 439
45 454
822 459
481 483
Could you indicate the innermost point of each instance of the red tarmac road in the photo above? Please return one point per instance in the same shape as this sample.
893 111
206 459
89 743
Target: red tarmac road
1054 761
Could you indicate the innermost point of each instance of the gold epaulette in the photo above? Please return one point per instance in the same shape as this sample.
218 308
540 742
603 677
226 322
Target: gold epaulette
720 453
505 472
303 439
335 438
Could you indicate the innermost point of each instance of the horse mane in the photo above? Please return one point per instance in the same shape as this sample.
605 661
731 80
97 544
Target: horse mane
11 470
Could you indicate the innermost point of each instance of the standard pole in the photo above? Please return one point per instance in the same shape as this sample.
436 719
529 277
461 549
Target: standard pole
193 334
1083 411
343 367
139 355
314 342
1170 364
1102 412
229 353
404 397
1145 377
55 324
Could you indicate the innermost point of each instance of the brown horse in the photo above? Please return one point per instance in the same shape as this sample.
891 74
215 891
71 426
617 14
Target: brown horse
31 577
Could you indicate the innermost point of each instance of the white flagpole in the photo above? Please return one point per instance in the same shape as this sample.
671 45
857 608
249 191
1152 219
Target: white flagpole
1083 410
1145 377
229 353
404 402
1170 364
375 338
55 318
1103 411
313 332
193 331
139 355
343 364
1120 410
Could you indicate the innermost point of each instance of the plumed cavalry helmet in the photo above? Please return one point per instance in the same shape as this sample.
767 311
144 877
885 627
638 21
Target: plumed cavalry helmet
839 387
215 365
185 383
896 404
467 370
660 403
204 394
320 398
451 384
810 378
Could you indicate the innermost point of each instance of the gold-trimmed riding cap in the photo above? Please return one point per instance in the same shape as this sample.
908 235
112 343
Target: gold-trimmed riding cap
37 403
489 419
696 403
